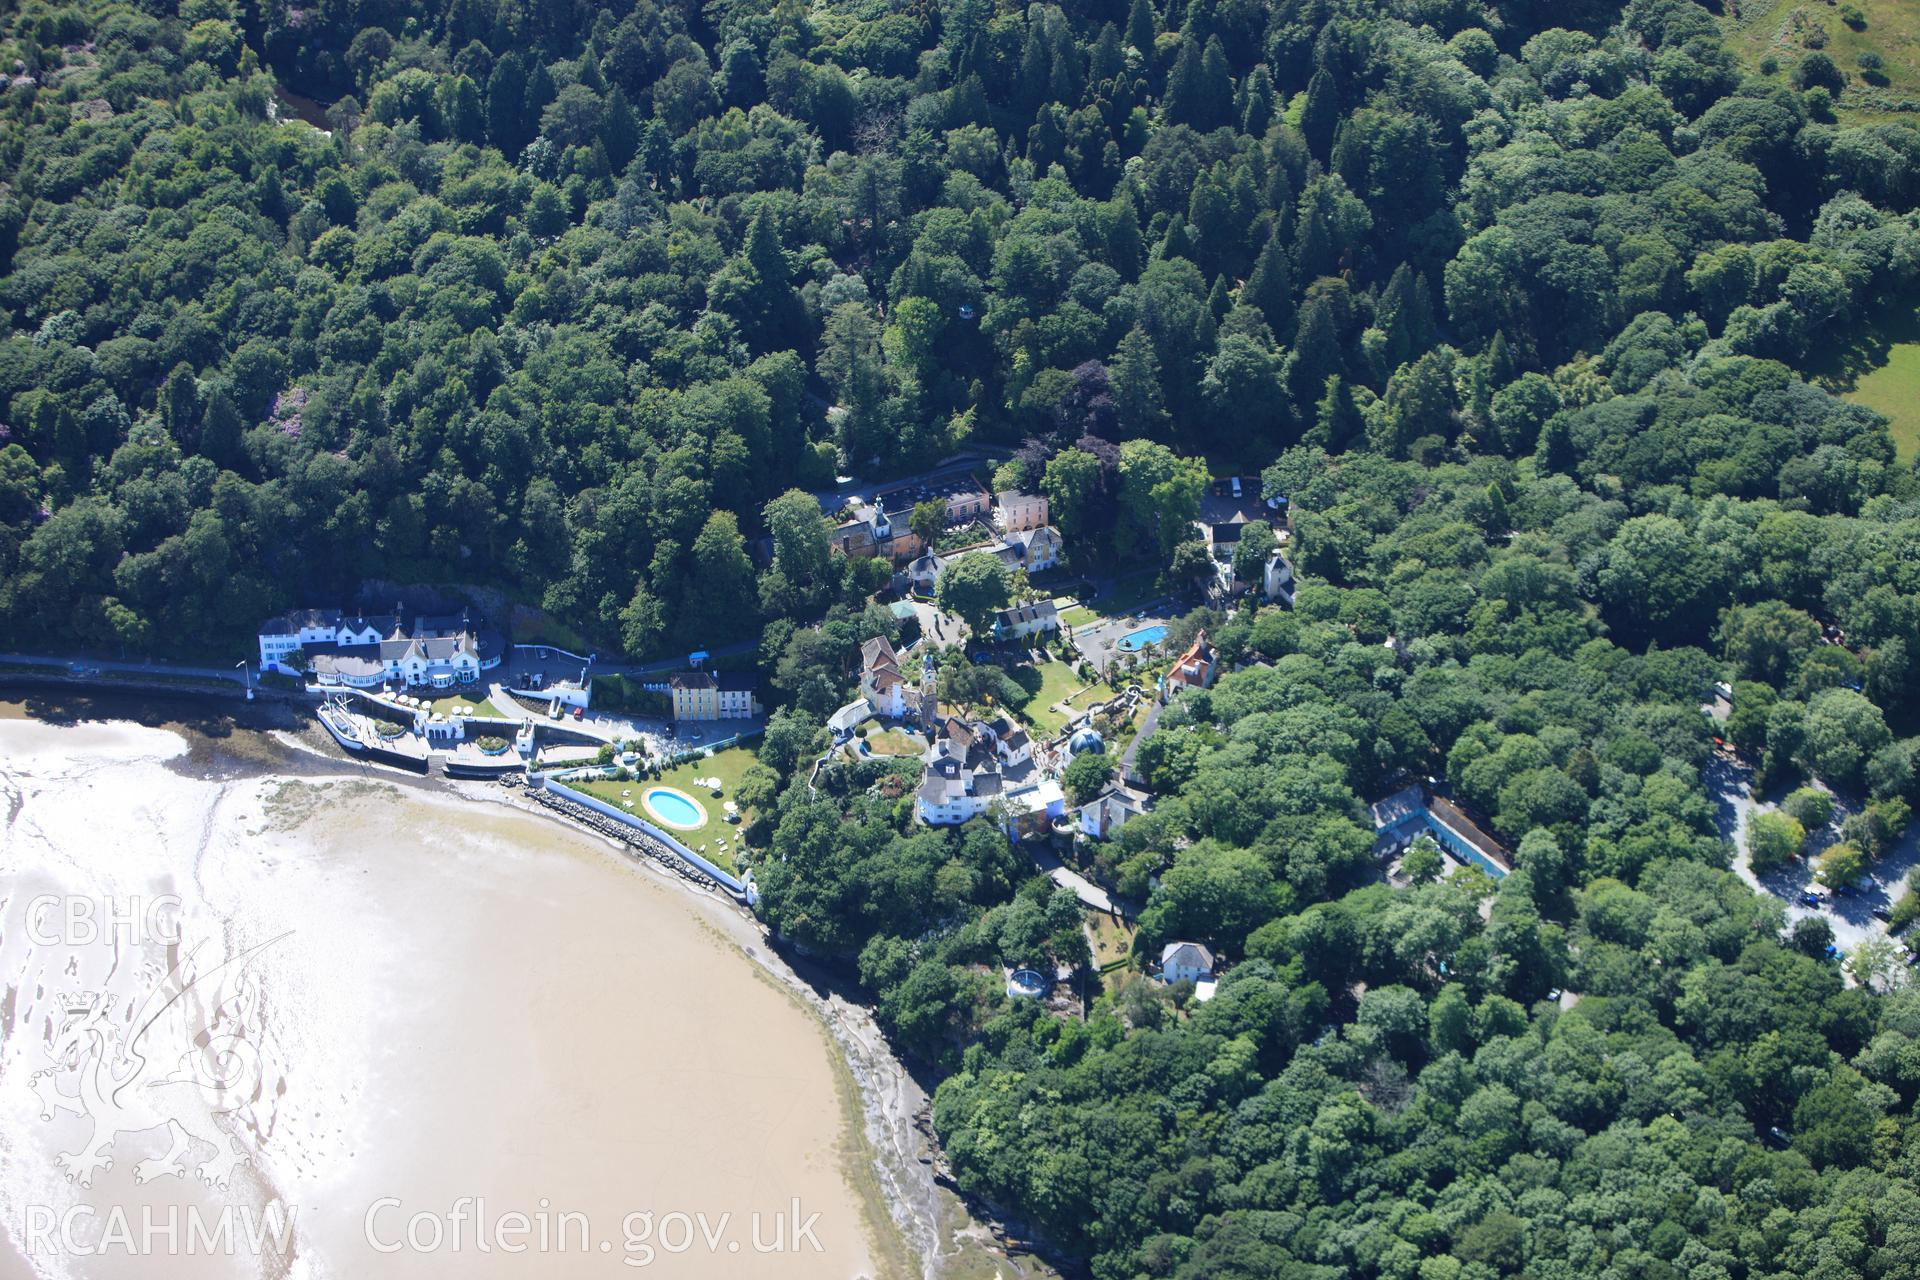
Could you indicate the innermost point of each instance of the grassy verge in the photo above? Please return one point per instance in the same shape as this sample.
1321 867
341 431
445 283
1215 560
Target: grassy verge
535 627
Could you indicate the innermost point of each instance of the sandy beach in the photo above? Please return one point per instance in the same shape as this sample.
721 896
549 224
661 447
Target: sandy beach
460 1013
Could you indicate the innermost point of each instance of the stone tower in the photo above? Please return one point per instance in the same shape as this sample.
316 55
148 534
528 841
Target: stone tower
929 693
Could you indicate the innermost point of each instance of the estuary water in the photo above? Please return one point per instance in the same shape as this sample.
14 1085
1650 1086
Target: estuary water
373 1029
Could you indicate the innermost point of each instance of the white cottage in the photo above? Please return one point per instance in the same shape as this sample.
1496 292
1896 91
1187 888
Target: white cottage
1185 962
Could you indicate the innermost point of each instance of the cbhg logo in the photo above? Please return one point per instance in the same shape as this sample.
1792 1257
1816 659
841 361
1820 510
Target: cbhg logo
116 1060
71 920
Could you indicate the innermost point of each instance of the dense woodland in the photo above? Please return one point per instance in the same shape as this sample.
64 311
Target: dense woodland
1507 299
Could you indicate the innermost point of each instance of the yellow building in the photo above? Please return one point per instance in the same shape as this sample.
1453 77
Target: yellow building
707 695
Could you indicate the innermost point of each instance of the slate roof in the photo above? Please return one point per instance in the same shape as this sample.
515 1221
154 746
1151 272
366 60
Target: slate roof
294 621
1042 611
1187 955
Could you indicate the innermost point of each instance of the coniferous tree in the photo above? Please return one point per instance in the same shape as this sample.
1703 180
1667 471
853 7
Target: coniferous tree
1256 102
1337 423
1321 114
620 130
1219 301
507 103
1035 71
1213 104
1143 26
1502 368
1183 97
1123 237
1107 59
1316 352
220 429
1269 286
1177 242
1139 400
180 406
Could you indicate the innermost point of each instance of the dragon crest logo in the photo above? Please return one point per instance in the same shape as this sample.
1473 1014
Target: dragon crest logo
182 1054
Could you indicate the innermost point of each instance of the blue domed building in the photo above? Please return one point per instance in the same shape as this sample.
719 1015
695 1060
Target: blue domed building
1086 738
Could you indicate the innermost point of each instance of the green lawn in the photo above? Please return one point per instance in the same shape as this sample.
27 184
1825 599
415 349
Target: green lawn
1787 29
1894 390
1111 939
727 766
1878 365
1050 682
894 742
476 700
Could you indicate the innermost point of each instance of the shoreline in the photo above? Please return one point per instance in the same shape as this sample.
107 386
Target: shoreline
891 1154
897 1150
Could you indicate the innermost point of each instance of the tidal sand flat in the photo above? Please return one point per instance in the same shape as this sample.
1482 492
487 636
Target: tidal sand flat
442 1038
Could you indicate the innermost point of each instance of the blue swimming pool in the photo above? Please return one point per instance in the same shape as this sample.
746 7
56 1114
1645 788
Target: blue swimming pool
1134 641
674 808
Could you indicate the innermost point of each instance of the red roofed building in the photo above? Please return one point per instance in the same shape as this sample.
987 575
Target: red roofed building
1194 668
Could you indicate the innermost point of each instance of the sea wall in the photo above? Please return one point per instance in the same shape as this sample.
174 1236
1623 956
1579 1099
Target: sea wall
726 879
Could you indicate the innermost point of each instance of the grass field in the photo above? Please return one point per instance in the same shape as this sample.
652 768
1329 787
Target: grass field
1879 366
1786 29
1894 390
727 766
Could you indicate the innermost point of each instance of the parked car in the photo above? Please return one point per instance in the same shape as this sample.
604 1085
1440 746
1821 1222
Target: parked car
1882 914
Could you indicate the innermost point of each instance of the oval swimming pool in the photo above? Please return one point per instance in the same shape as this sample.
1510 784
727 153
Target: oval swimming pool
675 808
1134 641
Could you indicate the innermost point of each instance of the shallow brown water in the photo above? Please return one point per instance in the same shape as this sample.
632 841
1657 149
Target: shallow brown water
419 1005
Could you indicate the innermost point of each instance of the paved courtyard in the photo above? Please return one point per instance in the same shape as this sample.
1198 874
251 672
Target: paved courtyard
1851 917
1100 642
